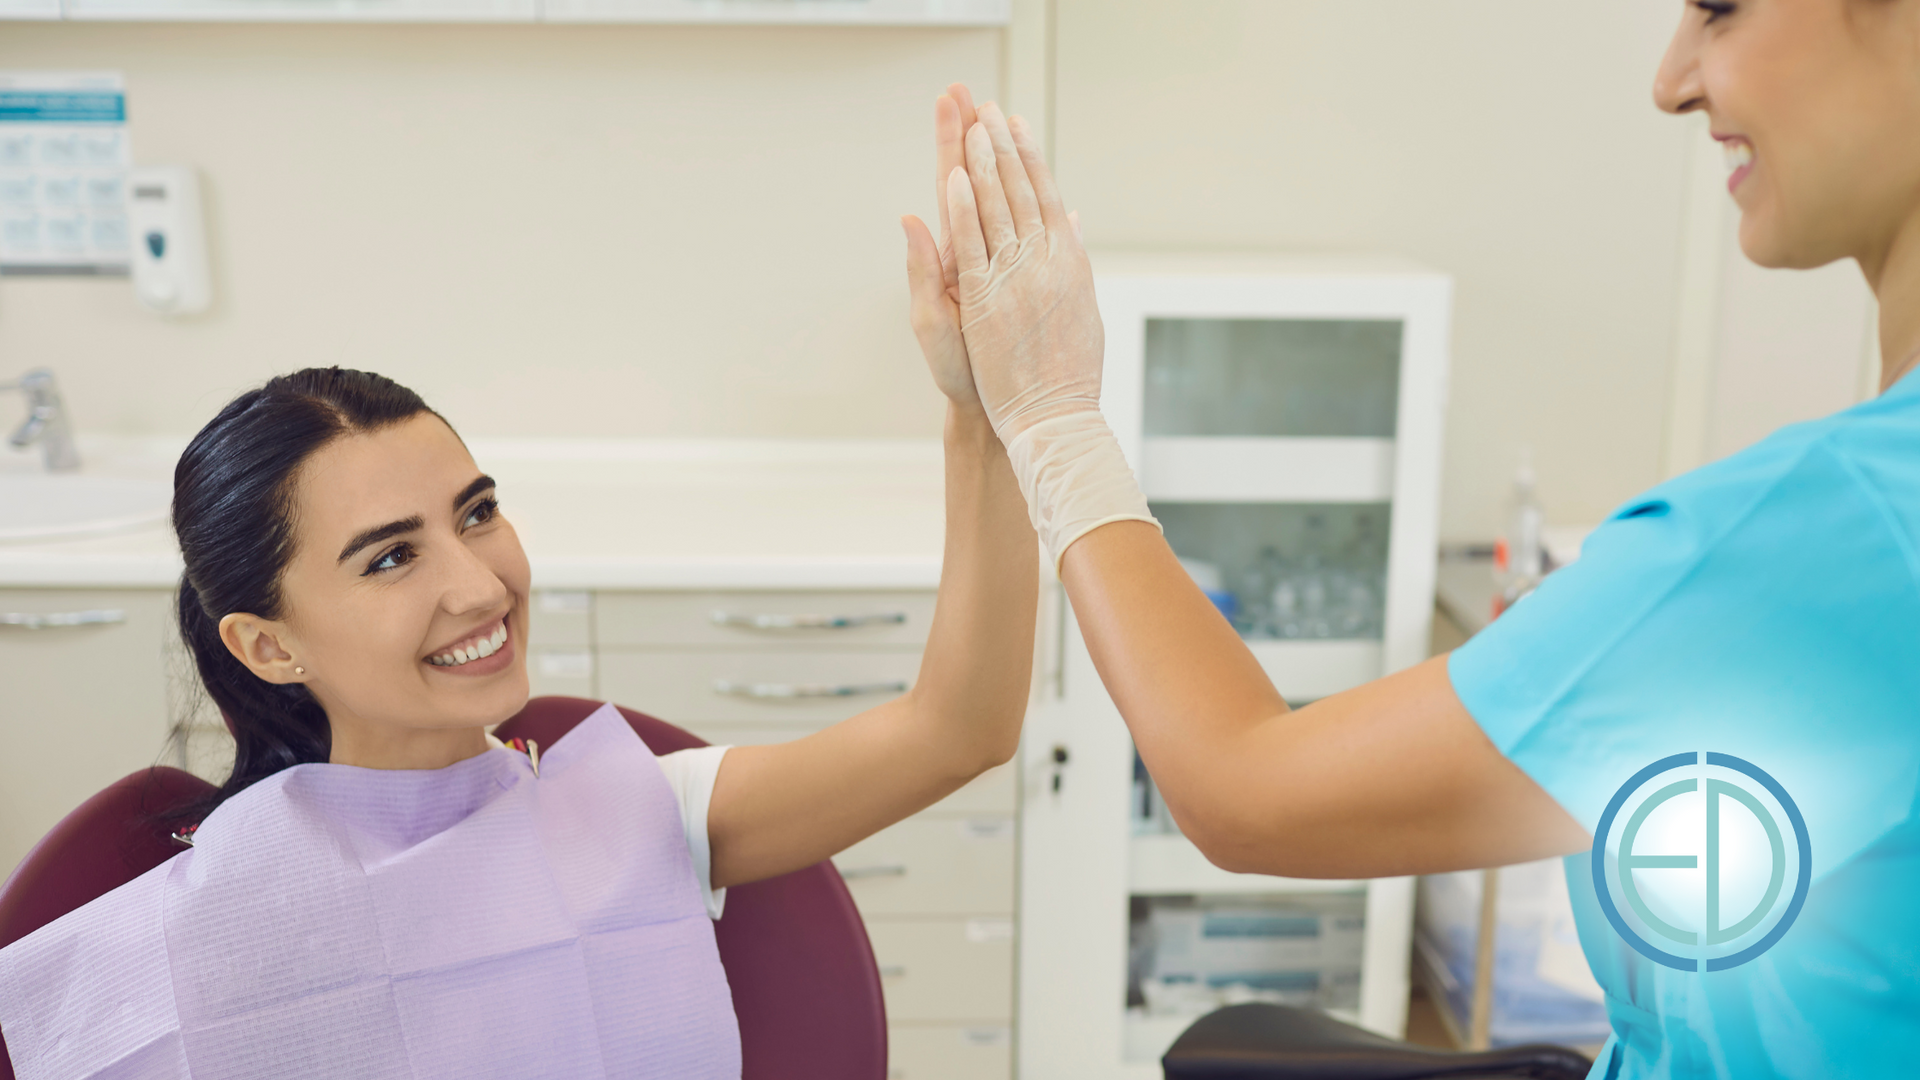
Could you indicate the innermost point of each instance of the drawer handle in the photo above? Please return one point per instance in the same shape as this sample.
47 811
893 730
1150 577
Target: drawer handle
893 971
858 873
802 691
806 622
61 619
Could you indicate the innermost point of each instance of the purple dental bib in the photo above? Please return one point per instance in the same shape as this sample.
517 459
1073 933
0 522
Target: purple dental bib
332 921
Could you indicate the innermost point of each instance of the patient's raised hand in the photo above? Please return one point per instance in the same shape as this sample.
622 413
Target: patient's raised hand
932 271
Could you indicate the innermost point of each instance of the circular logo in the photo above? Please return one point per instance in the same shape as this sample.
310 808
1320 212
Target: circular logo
1698 869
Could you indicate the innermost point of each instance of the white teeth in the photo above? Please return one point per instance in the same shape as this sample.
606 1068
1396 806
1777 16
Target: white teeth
1739 154
486 646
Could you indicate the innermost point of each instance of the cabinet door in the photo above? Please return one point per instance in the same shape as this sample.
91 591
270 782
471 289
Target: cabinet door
82 703
306 10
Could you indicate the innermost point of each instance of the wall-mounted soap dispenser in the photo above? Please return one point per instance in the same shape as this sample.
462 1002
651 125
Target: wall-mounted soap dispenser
169 240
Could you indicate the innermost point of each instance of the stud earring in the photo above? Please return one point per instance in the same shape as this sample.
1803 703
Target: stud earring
299 671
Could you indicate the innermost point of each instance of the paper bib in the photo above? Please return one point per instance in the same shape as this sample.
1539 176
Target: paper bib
333 921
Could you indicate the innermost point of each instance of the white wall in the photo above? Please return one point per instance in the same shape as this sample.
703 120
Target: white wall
690 231
546 230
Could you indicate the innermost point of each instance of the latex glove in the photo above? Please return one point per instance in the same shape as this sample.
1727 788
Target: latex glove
933 274
1026 299
1033 334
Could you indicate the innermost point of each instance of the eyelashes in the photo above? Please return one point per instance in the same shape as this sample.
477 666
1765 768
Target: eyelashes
484 511
1715 9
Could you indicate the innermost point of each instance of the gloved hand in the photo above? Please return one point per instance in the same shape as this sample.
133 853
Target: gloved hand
1034 339
1025 287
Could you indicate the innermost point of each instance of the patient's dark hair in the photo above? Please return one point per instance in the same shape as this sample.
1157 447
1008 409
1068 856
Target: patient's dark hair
233 511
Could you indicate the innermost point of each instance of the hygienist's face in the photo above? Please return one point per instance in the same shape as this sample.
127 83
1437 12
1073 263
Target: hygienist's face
1818 105
403 569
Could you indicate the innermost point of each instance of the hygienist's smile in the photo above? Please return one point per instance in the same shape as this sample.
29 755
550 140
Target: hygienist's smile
1740 159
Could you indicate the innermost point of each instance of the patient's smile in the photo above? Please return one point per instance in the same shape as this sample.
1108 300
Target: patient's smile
487 645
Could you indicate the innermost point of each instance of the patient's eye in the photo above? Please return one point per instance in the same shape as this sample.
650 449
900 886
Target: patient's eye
392 559
483 511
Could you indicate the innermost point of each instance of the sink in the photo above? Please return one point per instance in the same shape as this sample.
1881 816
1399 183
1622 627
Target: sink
37 507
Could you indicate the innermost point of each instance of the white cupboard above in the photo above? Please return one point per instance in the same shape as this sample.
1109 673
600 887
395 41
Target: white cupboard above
844 12
762 12
304 10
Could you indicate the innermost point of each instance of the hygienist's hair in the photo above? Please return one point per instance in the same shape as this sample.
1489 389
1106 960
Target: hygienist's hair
233 503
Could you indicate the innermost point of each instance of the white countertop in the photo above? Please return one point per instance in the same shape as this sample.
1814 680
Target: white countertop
623 514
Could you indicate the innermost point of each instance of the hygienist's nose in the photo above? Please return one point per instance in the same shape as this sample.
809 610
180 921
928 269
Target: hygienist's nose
1677 86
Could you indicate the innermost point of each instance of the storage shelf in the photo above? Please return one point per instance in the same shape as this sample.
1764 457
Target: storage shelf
1276 470
954 13
1310 670
784 12
1172 866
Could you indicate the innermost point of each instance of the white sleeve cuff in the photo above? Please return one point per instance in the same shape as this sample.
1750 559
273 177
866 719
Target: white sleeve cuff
691 774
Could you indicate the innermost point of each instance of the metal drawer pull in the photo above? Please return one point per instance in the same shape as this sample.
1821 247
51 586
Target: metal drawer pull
893 971
806 622
857 873
799 691
61 619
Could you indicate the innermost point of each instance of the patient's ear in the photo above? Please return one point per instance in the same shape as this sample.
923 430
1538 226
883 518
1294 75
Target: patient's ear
258 643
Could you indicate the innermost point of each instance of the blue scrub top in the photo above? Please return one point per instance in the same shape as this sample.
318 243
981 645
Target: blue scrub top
1767 607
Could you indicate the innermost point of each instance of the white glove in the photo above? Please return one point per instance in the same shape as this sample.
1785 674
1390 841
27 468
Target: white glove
1033 335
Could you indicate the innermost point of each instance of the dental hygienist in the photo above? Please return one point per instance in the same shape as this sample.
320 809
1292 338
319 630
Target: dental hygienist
1765 608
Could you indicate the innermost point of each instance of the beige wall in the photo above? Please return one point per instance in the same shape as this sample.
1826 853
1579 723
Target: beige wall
546 230
1511 144
690 231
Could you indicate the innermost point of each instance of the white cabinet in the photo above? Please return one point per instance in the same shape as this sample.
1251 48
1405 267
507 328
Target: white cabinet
304 10
29 9
861 12
83 700
1285 421
958 13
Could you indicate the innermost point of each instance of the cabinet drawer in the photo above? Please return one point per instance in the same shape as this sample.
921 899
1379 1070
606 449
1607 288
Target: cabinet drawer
83 700
934 865
758 619
561 670
560 618
949 1052
945 969
754 686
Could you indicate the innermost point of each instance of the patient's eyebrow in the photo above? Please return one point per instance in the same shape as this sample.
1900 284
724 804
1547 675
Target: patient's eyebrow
375 535
468 492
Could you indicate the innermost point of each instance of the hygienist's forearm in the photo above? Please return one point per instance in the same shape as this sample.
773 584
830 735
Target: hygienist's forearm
1390 778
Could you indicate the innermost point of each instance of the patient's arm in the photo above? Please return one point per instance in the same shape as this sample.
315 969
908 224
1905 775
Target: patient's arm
1390 778
779 808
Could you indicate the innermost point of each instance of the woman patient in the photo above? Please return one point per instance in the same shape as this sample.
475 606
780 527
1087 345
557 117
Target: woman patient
376 892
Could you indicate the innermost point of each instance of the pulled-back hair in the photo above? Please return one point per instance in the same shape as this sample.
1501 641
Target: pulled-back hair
233 511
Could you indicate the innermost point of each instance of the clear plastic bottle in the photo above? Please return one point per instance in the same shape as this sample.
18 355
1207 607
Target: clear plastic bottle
1519 556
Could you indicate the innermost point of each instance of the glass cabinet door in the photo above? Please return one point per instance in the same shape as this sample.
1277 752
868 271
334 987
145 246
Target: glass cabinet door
1272 378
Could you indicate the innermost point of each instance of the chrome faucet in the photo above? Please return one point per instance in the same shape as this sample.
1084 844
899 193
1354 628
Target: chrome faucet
46 422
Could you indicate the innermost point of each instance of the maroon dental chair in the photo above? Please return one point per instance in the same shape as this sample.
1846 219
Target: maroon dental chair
805 986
